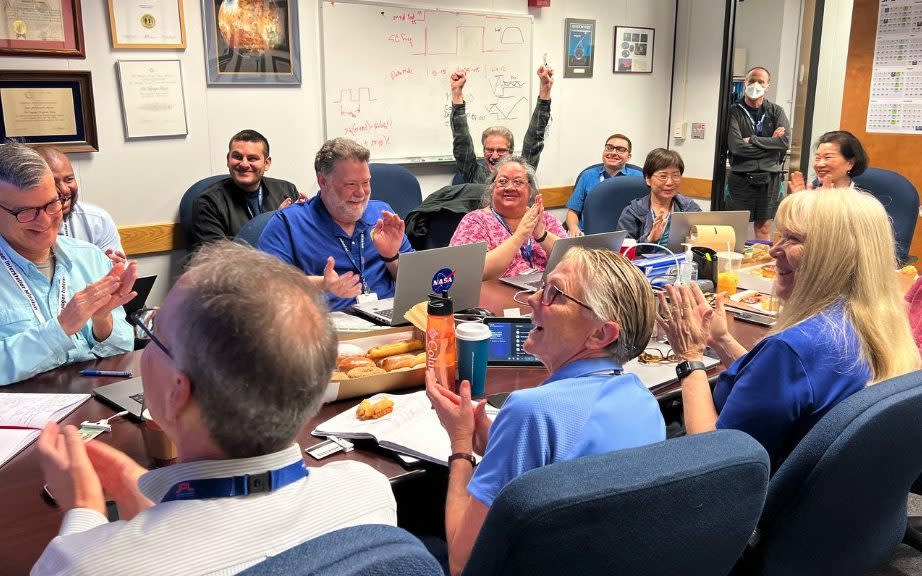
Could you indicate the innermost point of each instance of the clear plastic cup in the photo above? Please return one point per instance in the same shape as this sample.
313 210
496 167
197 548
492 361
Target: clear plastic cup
728 271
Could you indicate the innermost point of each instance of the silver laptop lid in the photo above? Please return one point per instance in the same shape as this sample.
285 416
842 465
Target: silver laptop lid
460 267
609 240
681 222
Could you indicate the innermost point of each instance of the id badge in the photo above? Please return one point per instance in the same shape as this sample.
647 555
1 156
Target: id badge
366 298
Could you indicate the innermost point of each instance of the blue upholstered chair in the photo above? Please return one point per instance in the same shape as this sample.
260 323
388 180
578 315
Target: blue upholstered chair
367 550
458 178
253 229
606 201
901 200
837 505
683 506
185 204
394 184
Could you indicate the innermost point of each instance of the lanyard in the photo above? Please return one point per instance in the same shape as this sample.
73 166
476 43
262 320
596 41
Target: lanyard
237 485
525 250
24 288
360 265
586 367
756 126
259 203
65 227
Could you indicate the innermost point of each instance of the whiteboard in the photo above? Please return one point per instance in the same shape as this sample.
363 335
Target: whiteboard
386 71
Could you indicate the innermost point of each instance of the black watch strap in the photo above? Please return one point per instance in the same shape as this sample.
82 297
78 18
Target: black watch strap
542 238
687 367
392 258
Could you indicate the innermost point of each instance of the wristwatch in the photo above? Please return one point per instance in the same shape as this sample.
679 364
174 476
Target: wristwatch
687 367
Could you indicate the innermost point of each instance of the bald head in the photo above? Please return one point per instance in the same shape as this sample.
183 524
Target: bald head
64 179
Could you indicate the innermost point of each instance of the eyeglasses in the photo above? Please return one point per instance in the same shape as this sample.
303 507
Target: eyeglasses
549 294
491 151
656 356
618 149
518 182
25 215
135 320
663 177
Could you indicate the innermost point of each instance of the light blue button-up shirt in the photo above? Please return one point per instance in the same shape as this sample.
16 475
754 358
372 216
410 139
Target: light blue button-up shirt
29 346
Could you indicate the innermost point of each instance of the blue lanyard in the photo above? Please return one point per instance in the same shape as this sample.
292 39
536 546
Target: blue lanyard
525 250
237 485
756 126
259 203
586 367
360 265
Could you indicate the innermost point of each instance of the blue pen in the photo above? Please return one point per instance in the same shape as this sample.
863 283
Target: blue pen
117 373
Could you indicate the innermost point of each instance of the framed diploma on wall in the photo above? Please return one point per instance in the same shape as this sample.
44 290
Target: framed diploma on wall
147 24
49 107
152 98
46 28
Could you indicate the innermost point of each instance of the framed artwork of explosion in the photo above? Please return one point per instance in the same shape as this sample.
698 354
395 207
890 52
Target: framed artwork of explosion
252 42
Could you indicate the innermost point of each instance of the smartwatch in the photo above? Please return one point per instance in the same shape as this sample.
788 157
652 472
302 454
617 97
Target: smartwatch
687 367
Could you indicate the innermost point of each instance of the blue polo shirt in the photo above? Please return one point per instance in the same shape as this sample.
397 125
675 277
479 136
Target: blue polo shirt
305 235
581 409
589 180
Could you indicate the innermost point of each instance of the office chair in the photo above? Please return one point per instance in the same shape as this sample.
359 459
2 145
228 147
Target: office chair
458 178
837 505
394 184
901 201
369 549
252 230
683 506
185 204
604 204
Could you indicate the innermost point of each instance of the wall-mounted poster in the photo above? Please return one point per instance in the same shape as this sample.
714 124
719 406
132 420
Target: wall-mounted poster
580 43
252 41
633 49
46 28
152 98
147 24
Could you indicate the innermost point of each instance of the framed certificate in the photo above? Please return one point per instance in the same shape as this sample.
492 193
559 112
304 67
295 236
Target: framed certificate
49 107
46 28
633 51
579 39
147 24
152 98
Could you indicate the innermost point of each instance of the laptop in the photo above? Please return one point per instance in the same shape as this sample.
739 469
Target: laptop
142 286
533 280
461 267
123 395
681 222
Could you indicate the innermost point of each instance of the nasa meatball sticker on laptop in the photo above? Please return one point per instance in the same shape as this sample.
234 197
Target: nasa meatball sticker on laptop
442 281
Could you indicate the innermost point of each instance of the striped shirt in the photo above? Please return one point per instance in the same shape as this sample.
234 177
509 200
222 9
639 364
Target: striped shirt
219 535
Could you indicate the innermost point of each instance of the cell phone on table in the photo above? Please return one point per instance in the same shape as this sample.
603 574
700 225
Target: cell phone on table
497 400
754 318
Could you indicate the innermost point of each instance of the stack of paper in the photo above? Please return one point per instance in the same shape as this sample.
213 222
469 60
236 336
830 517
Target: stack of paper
22 416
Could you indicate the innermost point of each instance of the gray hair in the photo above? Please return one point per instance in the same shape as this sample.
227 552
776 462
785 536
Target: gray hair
499 131
258 365
21 166
616 291
487 199
337 149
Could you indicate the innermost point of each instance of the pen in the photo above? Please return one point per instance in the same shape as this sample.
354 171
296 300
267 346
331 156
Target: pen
117 373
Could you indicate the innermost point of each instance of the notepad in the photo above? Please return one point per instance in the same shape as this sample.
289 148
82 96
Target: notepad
412 428
31 412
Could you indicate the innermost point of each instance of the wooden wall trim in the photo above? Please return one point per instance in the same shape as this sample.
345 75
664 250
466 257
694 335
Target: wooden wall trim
696 188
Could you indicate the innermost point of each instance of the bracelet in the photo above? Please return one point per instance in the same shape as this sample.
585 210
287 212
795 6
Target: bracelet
462 456
392 258
543 237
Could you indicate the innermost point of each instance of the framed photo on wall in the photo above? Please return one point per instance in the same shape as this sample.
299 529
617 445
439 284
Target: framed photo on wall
49 107
46 28
580 42
147 24
253 42
633 50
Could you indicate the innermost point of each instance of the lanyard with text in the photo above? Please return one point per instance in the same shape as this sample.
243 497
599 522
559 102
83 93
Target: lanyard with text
756 126
237 485
65 227
17 279
360 265
259 203
524 250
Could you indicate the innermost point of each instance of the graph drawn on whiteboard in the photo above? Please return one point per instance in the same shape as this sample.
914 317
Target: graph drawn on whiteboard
388 86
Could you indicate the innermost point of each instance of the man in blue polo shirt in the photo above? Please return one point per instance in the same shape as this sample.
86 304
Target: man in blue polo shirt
615 156
347 243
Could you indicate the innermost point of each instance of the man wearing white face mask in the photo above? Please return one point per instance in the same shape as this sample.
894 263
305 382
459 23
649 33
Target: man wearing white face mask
758 140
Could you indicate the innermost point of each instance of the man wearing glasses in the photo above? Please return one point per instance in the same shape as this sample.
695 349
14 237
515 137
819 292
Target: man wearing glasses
85 221
60 298
497 141
594 314
615 156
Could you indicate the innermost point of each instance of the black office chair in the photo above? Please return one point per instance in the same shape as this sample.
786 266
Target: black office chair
252 230
185 204
901 201
683 506
837 505
394 184
603 206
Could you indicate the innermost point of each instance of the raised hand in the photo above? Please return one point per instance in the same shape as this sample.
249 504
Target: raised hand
457 81
347 285
68 472
116 256
387 234
685 321
546 76
119 474
99 299
539 228
526 227
455 412
659 225
798 183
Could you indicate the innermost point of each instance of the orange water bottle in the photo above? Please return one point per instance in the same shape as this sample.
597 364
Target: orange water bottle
441 349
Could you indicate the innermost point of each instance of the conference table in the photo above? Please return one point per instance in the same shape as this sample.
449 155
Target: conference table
29 523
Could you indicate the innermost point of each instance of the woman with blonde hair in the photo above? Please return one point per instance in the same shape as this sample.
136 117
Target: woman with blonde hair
843 325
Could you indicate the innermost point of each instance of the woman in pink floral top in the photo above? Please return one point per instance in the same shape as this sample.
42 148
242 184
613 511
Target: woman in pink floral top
519 238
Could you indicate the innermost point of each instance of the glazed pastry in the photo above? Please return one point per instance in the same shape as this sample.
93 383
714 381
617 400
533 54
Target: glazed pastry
393 348
368 410
346 363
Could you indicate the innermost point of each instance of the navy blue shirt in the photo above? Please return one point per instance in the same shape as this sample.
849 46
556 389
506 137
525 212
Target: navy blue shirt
305 235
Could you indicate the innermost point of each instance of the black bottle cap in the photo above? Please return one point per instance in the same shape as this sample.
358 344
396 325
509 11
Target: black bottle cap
440 305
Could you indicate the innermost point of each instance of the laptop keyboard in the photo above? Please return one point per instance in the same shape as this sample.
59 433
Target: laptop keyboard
139 398
389 313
